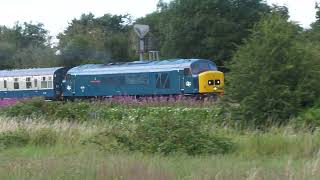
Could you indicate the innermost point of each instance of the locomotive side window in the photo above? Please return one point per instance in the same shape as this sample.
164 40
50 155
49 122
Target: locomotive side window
115 80
28 83
16 83
5 86
44 83
136 79
162 81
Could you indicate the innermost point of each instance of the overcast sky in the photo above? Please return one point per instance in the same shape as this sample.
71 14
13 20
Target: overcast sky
301 11
55 14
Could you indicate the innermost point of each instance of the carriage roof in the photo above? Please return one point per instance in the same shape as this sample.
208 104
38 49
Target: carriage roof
28 72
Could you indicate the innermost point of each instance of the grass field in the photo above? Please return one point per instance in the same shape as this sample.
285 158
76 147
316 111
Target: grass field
60 150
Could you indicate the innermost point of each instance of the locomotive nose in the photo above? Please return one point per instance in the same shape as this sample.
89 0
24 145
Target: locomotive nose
211 82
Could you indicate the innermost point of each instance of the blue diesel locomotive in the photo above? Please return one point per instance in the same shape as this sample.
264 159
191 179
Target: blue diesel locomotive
139 78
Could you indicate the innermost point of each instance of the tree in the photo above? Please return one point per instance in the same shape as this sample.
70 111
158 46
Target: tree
275 74
34 56
25 45
33 35
96 40
209 29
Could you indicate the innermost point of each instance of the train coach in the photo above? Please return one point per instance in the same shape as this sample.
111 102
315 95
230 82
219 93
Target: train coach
27 83
139 78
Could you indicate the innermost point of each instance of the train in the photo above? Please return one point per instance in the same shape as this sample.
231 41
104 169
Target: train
187 77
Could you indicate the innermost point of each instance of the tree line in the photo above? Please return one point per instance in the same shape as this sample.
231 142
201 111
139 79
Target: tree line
272 64
179 29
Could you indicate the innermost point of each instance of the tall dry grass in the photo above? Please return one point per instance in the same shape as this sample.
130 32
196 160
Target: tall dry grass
31 124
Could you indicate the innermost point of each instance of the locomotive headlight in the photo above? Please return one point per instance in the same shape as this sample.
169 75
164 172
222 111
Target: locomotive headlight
215 88
210 82
217 82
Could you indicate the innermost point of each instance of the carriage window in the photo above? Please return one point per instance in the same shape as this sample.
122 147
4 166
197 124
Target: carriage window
162 81
16 83
49 82
136 79
35 83
28 83
5 84
44 83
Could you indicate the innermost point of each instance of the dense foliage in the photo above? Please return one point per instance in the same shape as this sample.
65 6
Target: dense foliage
275 74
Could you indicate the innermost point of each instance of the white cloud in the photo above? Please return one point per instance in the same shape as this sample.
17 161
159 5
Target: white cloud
301 11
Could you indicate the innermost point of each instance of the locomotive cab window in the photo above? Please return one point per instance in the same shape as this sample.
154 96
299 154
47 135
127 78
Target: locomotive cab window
16 83
28 83
200 67
162 81
68 77
187 71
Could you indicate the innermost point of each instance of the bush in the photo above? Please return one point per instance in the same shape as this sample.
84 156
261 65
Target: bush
25 108
84 110
104 141
73 111
167 134
310 118
14 139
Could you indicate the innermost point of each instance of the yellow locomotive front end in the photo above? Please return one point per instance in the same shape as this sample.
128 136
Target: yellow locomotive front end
211 82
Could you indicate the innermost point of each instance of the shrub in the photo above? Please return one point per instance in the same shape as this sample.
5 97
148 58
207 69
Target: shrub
73 111
25 108
20 109
104 141
14 138
308 119
85 110
167 134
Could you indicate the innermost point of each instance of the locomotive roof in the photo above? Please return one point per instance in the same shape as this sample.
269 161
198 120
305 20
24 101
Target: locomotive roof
135 67
28 72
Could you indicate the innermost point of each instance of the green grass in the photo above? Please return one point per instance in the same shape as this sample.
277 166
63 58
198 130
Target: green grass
280 153
69 162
